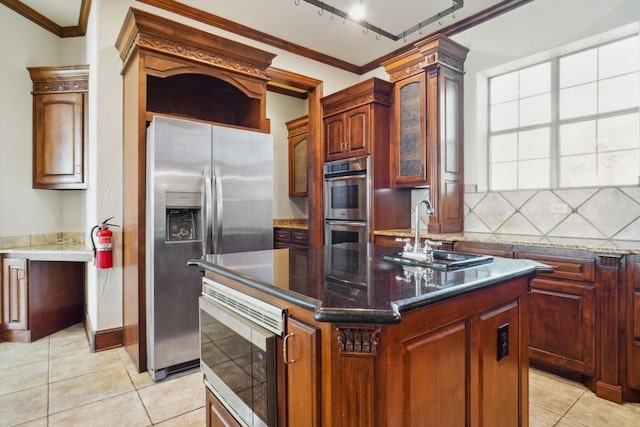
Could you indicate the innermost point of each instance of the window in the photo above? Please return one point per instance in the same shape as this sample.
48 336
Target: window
572 121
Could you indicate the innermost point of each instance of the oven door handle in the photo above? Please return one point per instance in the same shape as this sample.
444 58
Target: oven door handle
347 223
345 177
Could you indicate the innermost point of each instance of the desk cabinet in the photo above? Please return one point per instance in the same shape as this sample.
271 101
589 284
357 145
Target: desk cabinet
40 297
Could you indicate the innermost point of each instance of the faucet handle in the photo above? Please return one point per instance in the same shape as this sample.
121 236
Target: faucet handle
407 243
430 244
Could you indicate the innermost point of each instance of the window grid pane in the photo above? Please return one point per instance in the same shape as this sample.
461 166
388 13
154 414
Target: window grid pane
597 123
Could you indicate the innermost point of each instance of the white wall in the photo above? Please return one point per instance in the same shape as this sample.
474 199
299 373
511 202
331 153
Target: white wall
281 109
24 210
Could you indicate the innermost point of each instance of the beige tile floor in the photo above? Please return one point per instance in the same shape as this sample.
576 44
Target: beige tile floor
56 381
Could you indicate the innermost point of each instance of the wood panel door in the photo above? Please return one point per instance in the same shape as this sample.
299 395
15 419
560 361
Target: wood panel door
502 377
357 123
15 294
335 133
58 141
562 324
408 144
633 342
302 365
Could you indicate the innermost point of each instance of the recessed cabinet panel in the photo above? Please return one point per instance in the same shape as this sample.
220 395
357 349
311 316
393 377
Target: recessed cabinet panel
15 294
59 140
562 325
298 135
410 138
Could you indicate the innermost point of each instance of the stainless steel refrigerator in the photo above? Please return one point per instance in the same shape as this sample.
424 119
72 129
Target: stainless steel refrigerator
209 190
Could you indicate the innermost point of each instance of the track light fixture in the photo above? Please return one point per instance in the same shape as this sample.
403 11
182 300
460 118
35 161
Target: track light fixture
357 16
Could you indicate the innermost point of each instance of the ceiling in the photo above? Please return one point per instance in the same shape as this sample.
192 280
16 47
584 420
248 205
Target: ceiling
295 25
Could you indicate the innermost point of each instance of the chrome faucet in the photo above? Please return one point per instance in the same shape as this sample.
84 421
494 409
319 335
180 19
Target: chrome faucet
416 242
415 251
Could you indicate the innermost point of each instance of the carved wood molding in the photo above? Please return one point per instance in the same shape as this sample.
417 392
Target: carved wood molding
443 59
357 102
154 33
359 340
73 78
164 45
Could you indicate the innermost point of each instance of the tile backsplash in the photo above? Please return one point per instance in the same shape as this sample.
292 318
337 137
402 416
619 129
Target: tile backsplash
588 213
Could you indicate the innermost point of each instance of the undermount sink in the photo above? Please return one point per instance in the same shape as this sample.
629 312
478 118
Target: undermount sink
442 260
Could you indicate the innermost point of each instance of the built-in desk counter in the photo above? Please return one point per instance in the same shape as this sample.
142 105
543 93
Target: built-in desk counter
42 288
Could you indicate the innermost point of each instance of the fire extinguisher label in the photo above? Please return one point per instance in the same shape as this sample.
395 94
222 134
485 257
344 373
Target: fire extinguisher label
103 244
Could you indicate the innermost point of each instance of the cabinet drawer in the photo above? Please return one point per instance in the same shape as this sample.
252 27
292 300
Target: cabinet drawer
282 235
565 267
299 237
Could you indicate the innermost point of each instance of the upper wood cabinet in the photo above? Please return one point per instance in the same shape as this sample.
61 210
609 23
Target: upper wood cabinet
59 126
298 135
353 116
427 127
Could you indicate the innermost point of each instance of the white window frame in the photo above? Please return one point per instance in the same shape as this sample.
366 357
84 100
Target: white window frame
555 121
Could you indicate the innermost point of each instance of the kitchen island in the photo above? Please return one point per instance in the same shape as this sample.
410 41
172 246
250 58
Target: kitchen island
368 342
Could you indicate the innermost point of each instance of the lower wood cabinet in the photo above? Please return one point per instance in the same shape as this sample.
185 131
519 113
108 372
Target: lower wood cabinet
290 238
633 322
562 325
217 414
301 357
40 297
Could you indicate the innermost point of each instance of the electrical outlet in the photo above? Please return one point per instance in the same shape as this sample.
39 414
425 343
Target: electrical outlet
559 208
503 341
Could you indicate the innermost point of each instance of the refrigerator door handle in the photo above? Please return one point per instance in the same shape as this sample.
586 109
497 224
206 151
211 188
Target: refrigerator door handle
217 236
207 210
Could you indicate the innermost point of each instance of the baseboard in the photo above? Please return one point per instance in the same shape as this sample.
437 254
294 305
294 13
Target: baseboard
103 340
11 335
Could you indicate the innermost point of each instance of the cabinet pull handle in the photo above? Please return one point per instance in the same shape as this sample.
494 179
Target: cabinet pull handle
285 352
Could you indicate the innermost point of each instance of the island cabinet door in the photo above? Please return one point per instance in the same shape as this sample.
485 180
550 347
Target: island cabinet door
300 354
499 372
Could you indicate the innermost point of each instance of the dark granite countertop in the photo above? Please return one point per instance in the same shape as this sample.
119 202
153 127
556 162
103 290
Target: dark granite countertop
352 283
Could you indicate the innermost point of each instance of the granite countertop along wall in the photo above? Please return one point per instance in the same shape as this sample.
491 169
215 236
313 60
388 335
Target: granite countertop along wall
301 223
593 245
47 247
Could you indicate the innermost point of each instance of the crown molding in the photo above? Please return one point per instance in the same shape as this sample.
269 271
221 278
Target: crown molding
46 23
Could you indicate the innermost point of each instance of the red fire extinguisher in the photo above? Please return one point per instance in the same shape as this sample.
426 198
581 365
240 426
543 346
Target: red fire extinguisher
102 251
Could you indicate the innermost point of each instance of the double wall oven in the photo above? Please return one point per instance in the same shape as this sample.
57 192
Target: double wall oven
347 185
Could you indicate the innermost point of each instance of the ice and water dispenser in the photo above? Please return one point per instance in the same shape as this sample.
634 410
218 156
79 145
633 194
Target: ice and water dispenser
183 218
